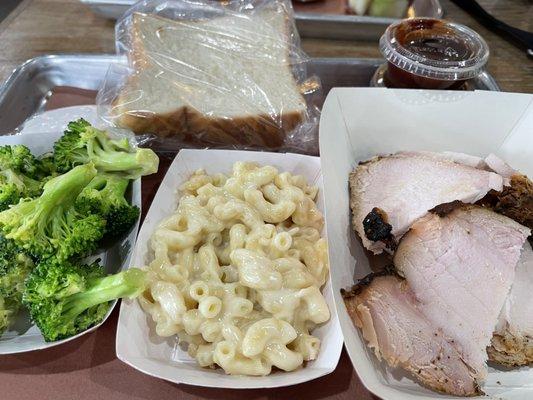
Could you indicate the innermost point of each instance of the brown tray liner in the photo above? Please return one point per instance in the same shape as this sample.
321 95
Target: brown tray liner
66 96
87 368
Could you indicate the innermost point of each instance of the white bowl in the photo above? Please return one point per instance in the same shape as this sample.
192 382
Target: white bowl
24 336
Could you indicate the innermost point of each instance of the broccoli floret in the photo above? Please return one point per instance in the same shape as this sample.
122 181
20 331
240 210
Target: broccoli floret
9 194
6 315
82 143
51 224
65 299
20 175
105 196
15 186
19 159
47 165
15 266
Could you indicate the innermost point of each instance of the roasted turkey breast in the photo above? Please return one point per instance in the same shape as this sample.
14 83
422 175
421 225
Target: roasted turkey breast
460 267
388 194
512 343
388 314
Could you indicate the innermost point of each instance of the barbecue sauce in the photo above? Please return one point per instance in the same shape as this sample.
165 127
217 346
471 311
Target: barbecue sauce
429 53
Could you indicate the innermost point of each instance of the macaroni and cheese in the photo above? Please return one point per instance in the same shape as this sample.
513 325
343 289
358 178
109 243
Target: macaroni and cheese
237 270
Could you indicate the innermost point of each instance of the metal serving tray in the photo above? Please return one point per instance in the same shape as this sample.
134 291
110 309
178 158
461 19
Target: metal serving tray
327 26
26 92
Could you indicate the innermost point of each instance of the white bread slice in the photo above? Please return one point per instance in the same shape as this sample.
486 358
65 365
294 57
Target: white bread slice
226 80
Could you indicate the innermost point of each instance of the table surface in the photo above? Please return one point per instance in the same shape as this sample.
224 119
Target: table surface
88 368
66 26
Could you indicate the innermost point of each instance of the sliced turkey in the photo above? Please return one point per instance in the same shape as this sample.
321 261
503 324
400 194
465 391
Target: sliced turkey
512 343
461 267
388 314
459 158
389 193
496 164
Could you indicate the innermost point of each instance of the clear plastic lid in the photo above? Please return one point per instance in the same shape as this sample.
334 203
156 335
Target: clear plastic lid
435 49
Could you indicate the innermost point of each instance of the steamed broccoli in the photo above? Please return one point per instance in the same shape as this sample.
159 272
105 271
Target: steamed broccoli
15 186
47 164
15 265
9 194
50 224
20 175
18 158
105 196
82 143
65 299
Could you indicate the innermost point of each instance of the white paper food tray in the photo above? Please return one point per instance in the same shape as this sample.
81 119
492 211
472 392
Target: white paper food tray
42 132
137 343
357 124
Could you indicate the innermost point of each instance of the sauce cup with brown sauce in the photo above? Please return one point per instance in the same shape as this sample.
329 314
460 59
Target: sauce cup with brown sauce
428 53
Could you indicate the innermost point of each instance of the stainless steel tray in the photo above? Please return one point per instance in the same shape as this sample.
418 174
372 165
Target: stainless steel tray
29 87
327 26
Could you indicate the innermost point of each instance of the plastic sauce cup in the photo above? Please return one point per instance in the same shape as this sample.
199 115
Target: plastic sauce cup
428 53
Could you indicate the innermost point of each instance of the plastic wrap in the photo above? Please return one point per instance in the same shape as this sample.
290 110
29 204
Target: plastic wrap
216 74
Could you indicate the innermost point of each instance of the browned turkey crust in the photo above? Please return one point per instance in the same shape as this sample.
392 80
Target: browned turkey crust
511 351
516 201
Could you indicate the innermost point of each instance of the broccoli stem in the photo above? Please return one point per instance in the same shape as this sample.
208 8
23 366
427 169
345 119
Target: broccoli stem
116 161
128 283
29 221
116 188
12 177
22 182
62 189
60 192
110 185
98 182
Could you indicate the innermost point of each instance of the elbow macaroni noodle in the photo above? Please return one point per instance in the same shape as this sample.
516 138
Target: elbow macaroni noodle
238 268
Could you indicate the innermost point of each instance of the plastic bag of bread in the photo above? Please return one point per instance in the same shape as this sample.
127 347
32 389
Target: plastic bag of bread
209 73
